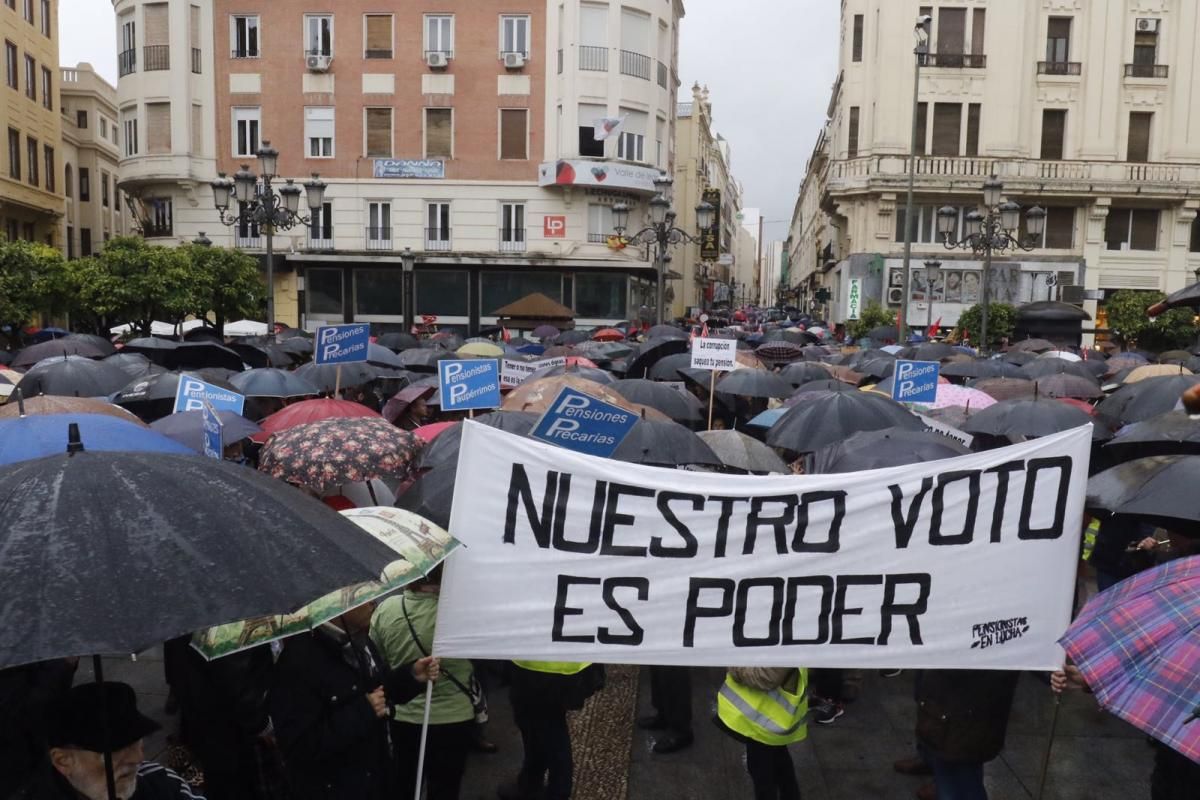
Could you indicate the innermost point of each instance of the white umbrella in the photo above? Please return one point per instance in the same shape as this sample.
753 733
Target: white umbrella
1063 354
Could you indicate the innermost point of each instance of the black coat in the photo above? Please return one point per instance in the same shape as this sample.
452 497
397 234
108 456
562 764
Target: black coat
962 715
27 696
334 745
155 782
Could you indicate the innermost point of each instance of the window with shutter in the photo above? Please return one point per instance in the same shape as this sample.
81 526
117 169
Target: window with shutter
1139 136
197 128
246 123
1143 234
978 29
852 139
1194 242
379 132
857 48
973 112
155 25
1060 228
439 133
1116 229
158 127
1145 48
947 127
1054 129
1058 40
513 133
922 128
378 36
952 31
318 131
588 114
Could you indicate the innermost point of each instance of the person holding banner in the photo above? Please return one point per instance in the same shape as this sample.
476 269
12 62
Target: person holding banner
766 709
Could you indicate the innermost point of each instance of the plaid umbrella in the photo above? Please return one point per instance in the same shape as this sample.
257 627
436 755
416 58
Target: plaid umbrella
1138 646
781 352
341 450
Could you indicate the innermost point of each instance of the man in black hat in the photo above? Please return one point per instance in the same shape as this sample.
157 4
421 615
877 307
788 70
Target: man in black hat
93 719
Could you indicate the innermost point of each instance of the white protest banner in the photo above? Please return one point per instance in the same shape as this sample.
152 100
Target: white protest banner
965 563
514 372
718 354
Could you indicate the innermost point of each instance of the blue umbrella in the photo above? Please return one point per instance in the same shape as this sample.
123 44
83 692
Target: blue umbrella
41 435
187 428
767 418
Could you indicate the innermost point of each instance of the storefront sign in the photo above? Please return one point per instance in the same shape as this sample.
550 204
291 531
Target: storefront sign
554 226
710 237
578 172
854 299
429 168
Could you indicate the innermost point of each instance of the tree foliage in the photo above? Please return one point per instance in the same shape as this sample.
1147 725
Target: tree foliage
1129 322
871 317
1002 321
32 282
228 284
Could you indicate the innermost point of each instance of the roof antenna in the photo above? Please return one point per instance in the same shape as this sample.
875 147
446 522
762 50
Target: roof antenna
74 443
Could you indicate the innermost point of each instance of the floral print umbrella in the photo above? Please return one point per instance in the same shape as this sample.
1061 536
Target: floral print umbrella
340 450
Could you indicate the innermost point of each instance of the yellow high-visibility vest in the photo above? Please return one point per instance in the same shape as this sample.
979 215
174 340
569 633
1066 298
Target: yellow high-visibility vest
553 667
1089 538
777 717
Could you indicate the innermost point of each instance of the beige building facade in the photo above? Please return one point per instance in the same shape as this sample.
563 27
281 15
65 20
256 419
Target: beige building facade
95 211
1083 108
456 141
31 198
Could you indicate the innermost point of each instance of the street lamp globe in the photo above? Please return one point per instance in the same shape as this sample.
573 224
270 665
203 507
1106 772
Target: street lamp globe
314 191
704 216
222 188
947 221
620 214
244 182
1035 221
993 190
1010 216
663 183
974 223
659 207
290 193
268 160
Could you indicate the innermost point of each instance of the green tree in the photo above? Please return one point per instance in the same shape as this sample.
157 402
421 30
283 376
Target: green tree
873 316
1002 321
32 282
228 284
1129 322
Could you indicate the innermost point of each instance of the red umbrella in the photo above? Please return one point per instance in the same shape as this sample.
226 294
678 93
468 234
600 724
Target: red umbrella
431 432
307 411
1082 405
580 361
608 335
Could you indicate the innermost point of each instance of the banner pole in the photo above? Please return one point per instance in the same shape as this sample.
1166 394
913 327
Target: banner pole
712 387
337 384
424 739
1049 746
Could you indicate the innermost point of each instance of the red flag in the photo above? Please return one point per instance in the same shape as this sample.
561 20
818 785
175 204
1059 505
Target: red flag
933 330
505 335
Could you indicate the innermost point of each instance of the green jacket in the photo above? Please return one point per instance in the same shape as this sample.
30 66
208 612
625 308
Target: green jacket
391 633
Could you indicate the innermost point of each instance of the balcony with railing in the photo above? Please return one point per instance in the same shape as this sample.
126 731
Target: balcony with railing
196 60
247 242
157 230
126 63
1146 70
320 239
594 59
379 238
956 60
598 238
662 74
635 64
1059 68
437 240
156 57
243 52
513 240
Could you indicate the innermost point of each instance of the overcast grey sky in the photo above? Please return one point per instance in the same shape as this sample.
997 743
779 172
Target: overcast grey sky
769 66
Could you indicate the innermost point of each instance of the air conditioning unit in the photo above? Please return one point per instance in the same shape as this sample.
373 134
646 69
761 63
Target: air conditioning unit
514 60
318 63
1075 295
1145 25
437 60
895 295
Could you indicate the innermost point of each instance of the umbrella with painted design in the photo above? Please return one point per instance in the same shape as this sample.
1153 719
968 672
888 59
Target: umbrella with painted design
51 404
536 396
340 450
950 395
1138 646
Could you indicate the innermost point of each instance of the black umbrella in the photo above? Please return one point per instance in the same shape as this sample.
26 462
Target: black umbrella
325 376
1044 367
803 372
443 451
255 356
1033 345
296 345
202 334
187 428
1180 357
99 342
135 365
1160 489
198 355
153 396
113 552
604 350
380 356
1188 296
1172 433
572 337
876 367
423 359
595 374
153 347
654 351
884 448
5 357
1030 418
431 495
982 368
679 406
667 369
72 376
664 444
753 383
859 356
831 416
285 334
822 385
667 332
1135 402
884 333
56 348
1097 366
273 383
935 351
1019 357
1066 385
744 453
398 341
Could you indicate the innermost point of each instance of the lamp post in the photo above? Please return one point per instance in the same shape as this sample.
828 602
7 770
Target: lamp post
995 231
262 205
661 233
933 271
921 32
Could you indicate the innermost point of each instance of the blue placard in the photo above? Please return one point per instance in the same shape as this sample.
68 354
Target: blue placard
193 393
469 383
580 422
342 344
213 446
915 381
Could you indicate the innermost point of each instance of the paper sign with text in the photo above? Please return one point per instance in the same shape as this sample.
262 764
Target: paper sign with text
193 393
467 384
709 353
963 563
585 424
915 381
342 344
514 372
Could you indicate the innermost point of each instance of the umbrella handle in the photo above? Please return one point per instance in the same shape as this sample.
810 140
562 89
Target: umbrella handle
1049 746
424 739
110 777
